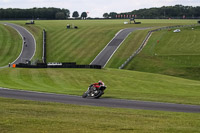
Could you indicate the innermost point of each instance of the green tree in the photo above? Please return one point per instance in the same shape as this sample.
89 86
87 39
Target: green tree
113 15
84 15
66 12
75 14
105 15
60 15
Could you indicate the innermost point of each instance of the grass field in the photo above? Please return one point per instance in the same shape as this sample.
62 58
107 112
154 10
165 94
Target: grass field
175 54
82 45
74 45
121 83
10 45
19 116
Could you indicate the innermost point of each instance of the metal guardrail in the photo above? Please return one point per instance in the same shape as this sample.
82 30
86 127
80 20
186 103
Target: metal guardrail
147 38
57 65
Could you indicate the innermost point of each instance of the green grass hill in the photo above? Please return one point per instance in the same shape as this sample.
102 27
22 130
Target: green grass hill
146 78
10 45
40 117
175 54
82 45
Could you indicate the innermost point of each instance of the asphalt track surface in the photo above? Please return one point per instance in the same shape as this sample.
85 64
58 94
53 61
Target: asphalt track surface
103 102
105 55
29 44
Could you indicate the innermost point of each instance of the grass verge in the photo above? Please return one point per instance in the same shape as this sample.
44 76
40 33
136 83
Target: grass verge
19 116
175 54
10 45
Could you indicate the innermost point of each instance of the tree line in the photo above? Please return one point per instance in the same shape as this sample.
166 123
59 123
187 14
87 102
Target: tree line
38 13
177 11
83 15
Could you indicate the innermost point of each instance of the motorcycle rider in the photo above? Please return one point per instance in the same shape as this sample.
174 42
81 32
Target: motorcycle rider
99 84
95 90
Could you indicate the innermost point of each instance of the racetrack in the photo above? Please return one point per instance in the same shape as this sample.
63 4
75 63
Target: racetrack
105 55
29 44
104 102
101 59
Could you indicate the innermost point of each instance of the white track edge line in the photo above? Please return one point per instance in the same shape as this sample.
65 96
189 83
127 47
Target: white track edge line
106 45
116 50
32 37
22 42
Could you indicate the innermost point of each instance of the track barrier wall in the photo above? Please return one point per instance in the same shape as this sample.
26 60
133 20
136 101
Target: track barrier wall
57 65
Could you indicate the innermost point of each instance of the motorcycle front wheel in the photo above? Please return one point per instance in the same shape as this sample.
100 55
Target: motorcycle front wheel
84 95
99 94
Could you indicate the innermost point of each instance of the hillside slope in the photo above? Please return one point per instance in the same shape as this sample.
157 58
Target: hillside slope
170 53
82 45
121 83
10 45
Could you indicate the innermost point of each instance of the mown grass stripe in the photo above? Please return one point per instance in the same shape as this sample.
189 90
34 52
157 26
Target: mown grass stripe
72 45
41 116
10 45
185 44
60 47
38 80
62 44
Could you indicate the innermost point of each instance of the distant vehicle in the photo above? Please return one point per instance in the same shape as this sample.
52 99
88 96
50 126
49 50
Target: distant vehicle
31 22
177 30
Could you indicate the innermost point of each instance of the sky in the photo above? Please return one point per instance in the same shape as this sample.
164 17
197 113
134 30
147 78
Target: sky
96 8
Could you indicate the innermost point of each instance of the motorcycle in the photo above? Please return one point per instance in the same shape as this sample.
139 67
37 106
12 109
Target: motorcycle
94 92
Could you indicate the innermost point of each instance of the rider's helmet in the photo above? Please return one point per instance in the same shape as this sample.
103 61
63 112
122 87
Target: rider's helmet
100 82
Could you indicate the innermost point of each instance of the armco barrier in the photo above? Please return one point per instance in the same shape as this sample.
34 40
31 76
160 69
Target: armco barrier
58 65
39 65
146 39
137 51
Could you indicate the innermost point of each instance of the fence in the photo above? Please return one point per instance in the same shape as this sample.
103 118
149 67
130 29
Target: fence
147 38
